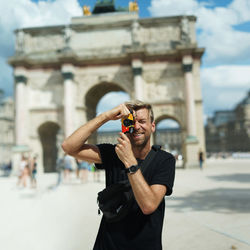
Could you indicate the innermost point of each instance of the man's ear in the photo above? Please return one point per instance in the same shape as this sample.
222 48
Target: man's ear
153 127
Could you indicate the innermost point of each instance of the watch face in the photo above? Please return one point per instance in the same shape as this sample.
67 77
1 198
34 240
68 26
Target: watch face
132 169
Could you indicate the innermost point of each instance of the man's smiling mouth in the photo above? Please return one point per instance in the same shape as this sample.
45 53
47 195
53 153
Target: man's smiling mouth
137 135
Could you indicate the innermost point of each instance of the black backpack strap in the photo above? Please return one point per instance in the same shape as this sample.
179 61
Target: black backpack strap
156 147
149 158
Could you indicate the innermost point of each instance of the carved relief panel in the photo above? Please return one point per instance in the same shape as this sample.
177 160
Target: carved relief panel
160 34
43 43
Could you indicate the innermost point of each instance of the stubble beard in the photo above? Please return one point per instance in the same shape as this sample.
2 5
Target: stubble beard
139 144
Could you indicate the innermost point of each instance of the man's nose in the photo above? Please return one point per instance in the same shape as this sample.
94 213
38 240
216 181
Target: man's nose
137 126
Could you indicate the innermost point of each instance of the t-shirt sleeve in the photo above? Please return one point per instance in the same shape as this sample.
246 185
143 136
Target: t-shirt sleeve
165 173
108 155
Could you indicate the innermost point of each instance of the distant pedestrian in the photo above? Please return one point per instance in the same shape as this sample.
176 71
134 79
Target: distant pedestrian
82 170
23 172
201 159
7 169
68 166
59 170
33 169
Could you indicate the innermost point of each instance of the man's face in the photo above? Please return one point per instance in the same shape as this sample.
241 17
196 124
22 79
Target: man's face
143 128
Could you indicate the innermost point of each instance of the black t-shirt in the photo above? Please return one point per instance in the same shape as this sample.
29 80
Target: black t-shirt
137 231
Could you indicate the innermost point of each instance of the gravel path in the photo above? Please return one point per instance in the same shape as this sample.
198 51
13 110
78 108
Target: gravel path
209 210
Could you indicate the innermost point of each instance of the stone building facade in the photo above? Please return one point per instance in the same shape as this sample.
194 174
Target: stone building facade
229 131
6 129
61 73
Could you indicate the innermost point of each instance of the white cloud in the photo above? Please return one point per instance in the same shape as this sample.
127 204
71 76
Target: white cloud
25 13
242 9
227 76
229 99
223 87
223 43
215 98
170 7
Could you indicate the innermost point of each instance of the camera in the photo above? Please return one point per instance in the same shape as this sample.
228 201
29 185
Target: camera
128 123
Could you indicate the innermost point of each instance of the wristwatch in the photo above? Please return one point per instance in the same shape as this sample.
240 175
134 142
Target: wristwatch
132 169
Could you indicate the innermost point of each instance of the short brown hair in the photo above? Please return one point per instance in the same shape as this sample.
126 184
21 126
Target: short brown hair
136 105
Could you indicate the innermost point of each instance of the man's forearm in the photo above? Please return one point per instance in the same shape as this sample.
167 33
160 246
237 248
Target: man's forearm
148 197
74 142
142 192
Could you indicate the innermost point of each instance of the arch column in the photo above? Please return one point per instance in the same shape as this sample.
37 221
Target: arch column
21 117
187 65
138 80
69 97
21 110
191 141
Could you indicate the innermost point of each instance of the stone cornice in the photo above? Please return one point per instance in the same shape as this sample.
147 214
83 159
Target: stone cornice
192 50
163 20
46 109
147 22
120 56
44 30
82 23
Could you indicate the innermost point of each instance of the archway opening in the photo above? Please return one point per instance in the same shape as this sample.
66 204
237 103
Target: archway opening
168 135
100 98
49 133
109 131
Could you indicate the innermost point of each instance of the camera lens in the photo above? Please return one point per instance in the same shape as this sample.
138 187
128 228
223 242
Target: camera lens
126 122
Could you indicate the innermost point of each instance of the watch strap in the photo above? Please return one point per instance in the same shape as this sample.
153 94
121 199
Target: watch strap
149 158
132 169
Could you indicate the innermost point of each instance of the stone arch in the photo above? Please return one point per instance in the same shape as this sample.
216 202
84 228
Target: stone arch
96 92
48 134
165 116
94 95
156 70
174 138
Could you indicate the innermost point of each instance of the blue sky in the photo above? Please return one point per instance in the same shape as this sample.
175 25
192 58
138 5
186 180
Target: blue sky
223 28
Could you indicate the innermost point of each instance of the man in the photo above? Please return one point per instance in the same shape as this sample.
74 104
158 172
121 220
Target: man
142 228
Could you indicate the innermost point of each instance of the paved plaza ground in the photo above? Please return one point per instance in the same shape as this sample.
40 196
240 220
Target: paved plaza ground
209 210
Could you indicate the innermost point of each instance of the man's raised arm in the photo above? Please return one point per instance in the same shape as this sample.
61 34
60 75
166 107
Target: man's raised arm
75 144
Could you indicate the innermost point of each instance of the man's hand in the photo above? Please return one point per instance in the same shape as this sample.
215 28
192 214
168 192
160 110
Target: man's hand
124 151
76 145
117 112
